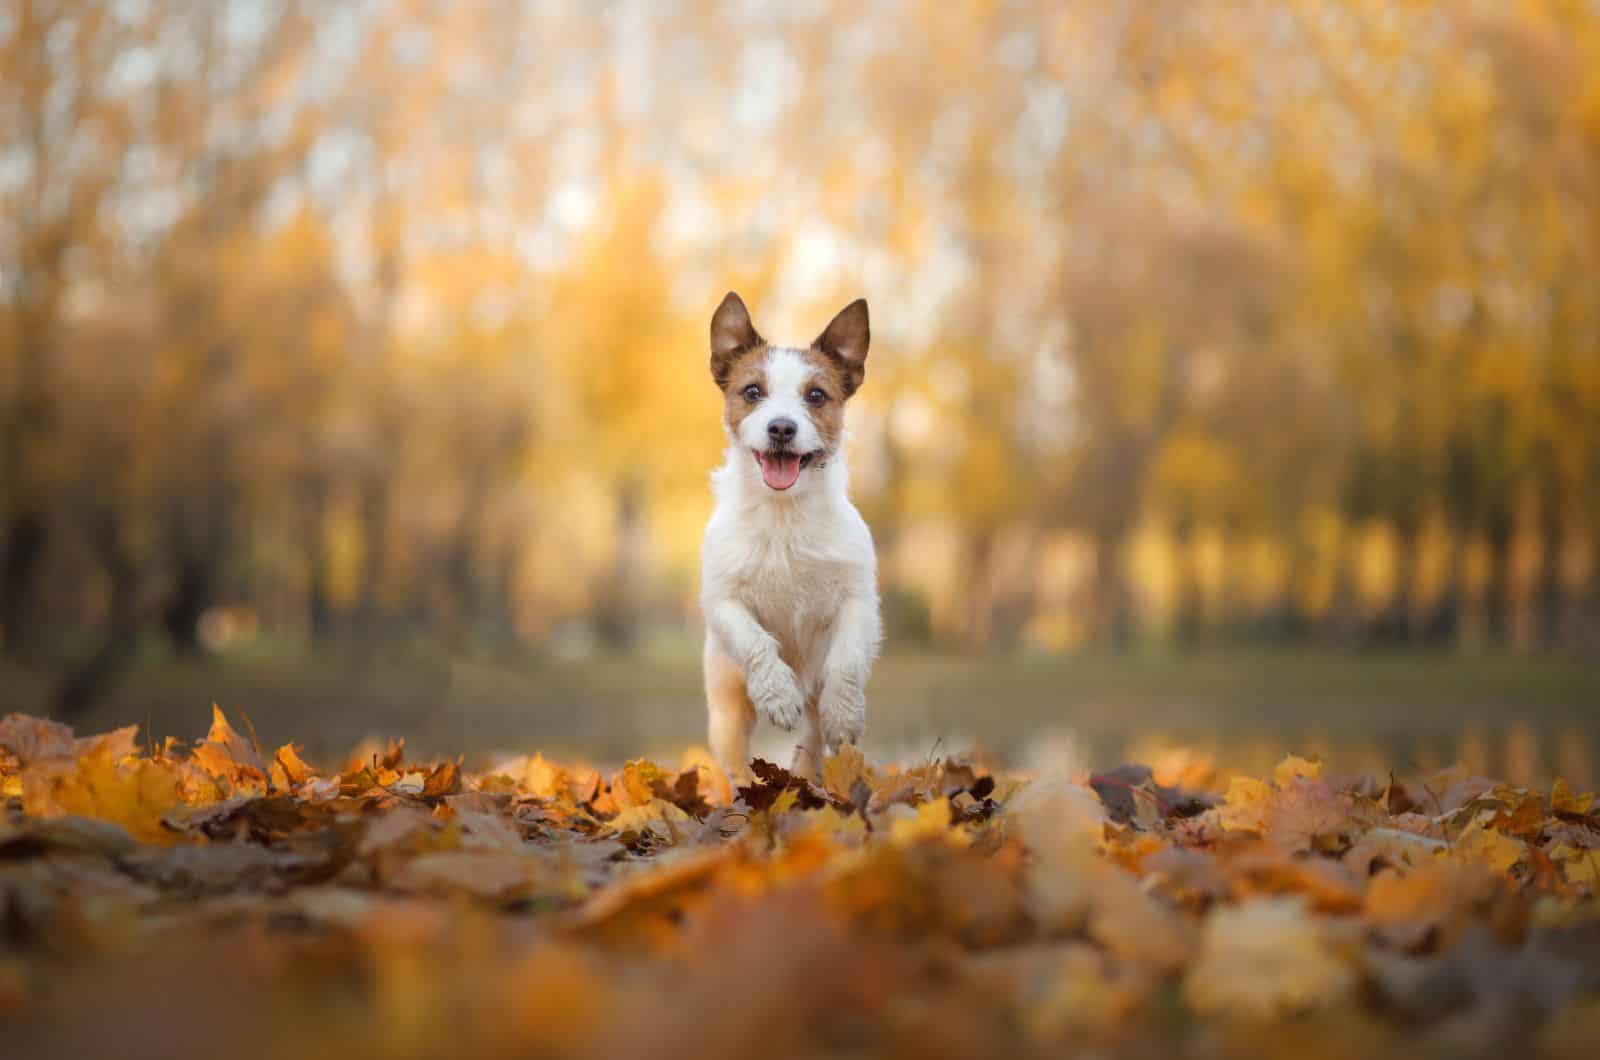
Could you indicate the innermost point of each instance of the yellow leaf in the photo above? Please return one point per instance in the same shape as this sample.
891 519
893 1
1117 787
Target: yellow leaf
657 815
1578 866
228 756
1245 806
1487 846
635 785
1562 799
1266 958
1295 766
288 771
930 820
840 773
135 794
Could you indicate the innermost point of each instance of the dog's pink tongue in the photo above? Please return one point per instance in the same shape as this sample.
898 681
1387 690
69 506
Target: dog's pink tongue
780 470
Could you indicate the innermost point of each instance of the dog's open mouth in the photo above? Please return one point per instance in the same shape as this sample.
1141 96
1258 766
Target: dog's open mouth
780 470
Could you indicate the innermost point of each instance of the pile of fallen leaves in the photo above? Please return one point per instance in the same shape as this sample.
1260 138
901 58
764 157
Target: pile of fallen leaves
215 900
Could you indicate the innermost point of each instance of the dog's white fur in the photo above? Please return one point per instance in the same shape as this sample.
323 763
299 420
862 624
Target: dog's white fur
789 589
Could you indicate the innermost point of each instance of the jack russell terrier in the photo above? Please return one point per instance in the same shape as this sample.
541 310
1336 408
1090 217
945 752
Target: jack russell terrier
789 580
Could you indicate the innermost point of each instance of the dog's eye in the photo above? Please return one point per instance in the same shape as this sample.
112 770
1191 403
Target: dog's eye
816 396
752 393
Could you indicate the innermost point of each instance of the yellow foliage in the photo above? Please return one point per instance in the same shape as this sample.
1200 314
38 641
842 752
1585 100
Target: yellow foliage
134 794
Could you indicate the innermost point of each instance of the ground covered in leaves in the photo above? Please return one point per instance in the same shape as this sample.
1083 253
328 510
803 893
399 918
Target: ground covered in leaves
158 900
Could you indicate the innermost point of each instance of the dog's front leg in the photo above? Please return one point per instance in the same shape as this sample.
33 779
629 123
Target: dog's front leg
843 705
774 690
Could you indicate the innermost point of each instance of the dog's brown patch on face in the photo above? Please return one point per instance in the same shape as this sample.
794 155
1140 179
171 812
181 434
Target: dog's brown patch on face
833 379
746 368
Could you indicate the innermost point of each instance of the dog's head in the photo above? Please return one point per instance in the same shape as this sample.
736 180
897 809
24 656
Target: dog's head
786 405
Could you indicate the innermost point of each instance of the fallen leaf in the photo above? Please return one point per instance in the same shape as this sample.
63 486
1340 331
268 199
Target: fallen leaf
228 756
1265 959
135 795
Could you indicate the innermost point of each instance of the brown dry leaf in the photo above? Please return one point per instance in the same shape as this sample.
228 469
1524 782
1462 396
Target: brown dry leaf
445 779
1562 800
1579 867
228 756
1265 959
1411 909
1311 815
1263 869
288 771
658 817
496 875
1294 766
1450 789
844 770
1486 845
644 894
635 785
1246 805
1393 848
36 739
1136 927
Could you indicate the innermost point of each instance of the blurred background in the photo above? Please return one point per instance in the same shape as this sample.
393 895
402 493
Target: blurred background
1235 378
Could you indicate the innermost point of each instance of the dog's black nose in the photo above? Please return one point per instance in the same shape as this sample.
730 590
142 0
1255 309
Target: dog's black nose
781 431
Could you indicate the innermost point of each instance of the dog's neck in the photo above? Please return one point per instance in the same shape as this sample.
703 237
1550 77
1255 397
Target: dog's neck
738 483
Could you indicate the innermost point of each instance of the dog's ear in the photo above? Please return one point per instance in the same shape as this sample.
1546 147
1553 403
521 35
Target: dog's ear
731 334
845 339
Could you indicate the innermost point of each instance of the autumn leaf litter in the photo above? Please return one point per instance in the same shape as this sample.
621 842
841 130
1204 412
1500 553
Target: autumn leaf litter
218 897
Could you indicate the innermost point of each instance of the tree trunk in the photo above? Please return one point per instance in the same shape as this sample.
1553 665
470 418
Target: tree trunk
617 611
24 547
191 596
1189 607
1401 619
1550 596
86 685
978 591
1443 625
375 524
1497 602
1111 616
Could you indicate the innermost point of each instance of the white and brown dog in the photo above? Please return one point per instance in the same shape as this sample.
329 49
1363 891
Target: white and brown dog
788 576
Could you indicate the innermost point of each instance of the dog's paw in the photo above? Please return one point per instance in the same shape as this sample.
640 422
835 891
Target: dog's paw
844 715
776 694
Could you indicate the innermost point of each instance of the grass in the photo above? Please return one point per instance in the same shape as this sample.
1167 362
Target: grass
1514 715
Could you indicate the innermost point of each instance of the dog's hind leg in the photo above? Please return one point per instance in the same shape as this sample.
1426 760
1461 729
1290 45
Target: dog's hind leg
730 714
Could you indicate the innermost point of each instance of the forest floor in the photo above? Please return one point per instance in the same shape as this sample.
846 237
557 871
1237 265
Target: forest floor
167 899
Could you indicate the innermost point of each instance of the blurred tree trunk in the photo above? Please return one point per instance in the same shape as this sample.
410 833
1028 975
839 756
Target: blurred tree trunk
84 686
191 596
1497 598
26 533
1188 606
617 610
1443 623
319 605
1400 626
466 587
24 545
1111 617
977 590
1344 618
374 508
1550 596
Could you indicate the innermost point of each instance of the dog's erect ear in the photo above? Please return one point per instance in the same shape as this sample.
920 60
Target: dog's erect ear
731 334
845 339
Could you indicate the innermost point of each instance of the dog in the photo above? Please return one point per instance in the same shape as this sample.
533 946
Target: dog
789 583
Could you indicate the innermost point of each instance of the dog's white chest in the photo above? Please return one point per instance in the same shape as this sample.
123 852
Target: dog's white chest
791 586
